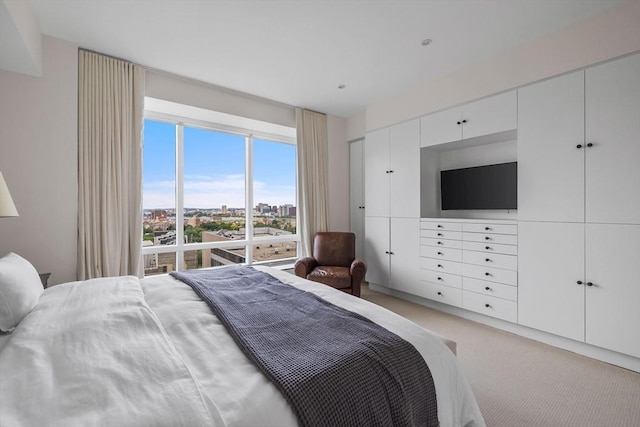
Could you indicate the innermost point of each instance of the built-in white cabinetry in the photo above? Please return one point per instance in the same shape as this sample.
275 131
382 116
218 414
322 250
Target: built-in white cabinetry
471 264
579 147
581 282
484 117
356 191
392 194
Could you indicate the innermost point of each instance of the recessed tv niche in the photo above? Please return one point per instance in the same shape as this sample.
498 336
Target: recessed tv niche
480 187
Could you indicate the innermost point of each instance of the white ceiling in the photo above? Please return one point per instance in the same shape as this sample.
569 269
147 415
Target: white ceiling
298 52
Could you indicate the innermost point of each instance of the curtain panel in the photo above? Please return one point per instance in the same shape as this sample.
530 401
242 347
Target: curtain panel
312 176
110 120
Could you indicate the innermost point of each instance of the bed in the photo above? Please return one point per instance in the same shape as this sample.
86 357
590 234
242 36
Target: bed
149 352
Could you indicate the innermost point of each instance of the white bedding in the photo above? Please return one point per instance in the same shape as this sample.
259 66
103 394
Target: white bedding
140 353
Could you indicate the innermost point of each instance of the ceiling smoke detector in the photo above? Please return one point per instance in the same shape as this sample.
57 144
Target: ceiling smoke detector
426 42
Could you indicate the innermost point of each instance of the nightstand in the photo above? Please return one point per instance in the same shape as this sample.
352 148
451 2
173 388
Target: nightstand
44 277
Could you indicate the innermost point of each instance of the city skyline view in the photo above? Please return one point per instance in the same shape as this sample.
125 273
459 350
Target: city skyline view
214 169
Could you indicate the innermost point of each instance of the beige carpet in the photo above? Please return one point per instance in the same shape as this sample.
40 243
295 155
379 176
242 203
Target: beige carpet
519 382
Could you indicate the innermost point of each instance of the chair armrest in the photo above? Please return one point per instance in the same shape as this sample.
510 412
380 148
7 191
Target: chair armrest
358 270
304 266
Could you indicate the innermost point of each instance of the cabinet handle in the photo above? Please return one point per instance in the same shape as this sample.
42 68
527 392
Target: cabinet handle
459 122
487 247
486 288
487 238
579 146
439 293
589 284
439 265
439 253
390 171
464 121
386 252
439 243
487 274
439 226
579 282
487 260
590 145
487 228
439 234
439 278
391 253
488 305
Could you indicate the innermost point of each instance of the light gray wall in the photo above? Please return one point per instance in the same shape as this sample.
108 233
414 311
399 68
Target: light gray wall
38 157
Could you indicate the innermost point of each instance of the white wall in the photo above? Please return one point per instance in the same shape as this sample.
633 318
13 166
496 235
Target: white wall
338 174
38 157
614 33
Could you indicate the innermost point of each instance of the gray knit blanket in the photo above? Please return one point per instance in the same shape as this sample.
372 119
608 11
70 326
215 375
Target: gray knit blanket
334 367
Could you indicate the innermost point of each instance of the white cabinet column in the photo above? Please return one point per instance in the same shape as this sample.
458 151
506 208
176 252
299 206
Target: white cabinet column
404 167
356 194
376 161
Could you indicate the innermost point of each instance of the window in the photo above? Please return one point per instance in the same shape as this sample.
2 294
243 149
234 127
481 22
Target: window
217 190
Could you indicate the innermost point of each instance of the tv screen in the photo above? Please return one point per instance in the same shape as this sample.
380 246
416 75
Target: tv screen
480 187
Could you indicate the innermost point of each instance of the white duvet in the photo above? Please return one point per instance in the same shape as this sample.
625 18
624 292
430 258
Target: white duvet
129 352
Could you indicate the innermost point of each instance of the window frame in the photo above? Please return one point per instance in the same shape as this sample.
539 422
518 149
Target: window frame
180 121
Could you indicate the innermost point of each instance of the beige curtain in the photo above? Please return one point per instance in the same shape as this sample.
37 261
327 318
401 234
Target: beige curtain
312 175
110 118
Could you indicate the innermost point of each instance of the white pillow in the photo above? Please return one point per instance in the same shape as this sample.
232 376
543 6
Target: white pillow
20 290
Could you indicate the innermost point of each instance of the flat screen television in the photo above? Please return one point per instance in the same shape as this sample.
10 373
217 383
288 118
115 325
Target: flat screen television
480 187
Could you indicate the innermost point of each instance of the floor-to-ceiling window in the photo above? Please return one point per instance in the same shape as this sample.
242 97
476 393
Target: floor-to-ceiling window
216 193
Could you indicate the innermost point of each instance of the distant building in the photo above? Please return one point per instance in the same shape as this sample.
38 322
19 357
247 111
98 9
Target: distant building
194 221
159 215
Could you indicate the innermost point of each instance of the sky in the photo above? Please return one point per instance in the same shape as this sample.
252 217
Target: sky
214 169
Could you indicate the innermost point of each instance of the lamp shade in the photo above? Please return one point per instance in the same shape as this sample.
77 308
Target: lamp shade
7 208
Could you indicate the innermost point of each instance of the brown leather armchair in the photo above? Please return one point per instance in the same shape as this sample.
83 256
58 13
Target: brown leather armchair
334 262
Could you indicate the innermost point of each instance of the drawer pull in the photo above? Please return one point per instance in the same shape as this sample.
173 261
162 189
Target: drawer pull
486 288
440 266
589 284
487 274
488 305
439 253
439 243
488 248
487 260
439 278
439 293
487 228
439 234
387 252
487 238
579 282
439 226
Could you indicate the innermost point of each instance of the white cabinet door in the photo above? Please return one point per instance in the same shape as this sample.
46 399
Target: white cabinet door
376 166
441 127
550 167
495 114
405 254
404 164
377 250
550 263
613 301
613 127
356 194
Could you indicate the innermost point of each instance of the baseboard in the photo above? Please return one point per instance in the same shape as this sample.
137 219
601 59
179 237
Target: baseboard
604 355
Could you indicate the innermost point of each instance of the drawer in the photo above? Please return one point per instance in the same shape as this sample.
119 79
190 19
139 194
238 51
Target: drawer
490 274
443 294
441 234
450 267
441 253
490 306
489 288
503 239
509 262
441 243
444 226
453 280
490 228
490 248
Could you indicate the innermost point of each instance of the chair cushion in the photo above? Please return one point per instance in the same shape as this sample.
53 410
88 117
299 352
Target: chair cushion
336 277
334 248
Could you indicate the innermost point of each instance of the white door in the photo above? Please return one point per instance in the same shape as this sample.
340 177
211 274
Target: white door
613 129
613 300
376 172
550 264
441 127
404 164
356 194
550 166
495 114
405 254
376 252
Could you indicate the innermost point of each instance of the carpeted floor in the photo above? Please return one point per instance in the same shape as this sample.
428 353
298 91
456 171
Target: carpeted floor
519 382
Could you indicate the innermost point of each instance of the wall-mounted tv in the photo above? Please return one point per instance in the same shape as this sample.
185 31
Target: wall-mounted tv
480 187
